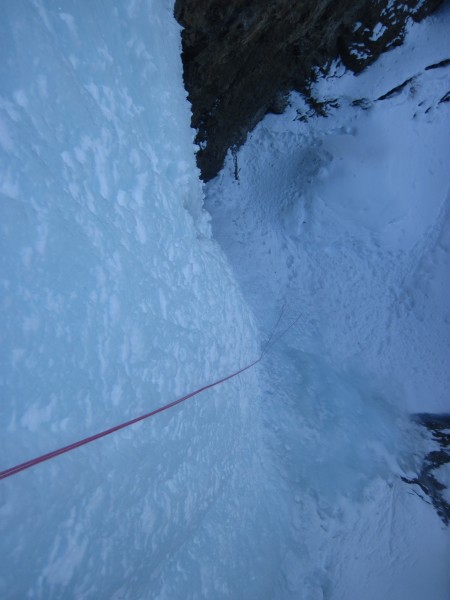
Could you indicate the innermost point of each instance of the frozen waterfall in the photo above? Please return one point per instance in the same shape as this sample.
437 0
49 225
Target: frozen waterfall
125 284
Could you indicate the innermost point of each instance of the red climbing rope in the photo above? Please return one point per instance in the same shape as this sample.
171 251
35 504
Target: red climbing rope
40 459
97 436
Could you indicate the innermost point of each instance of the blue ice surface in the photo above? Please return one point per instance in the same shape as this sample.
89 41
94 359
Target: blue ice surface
114 300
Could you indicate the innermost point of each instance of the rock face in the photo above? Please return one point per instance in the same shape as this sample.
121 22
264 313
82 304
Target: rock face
434 462
242 57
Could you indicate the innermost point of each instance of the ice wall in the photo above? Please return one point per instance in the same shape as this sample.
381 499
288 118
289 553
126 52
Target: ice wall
114 300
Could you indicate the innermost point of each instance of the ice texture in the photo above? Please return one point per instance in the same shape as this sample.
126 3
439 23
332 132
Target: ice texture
114 300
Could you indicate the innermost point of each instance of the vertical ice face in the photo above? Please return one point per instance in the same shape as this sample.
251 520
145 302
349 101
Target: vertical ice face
114 300
96 151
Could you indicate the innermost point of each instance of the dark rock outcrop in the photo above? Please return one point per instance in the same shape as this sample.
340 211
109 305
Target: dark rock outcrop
428 478
242 57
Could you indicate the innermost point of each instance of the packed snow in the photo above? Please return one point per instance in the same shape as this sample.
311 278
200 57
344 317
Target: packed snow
120 292
345 220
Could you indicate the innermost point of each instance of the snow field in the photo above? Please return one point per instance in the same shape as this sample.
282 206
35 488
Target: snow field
344 221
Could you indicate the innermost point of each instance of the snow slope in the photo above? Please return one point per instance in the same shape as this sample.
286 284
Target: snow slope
345 221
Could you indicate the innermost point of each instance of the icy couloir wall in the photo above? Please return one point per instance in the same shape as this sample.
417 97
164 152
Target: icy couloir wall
114 300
